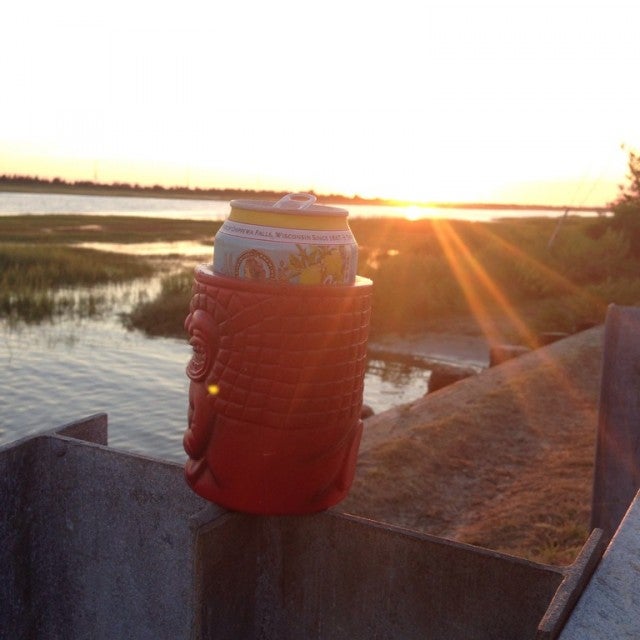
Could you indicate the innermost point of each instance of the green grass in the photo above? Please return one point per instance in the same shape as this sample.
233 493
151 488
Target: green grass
503 276
25 266
32 278
165 315
64 229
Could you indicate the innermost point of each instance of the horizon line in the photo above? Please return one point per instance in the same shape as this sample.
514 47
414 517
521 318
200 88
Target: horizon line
24 183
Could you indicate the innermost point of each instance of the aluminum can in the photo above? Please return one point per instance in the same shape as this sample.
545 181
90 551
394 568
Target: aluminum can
293 240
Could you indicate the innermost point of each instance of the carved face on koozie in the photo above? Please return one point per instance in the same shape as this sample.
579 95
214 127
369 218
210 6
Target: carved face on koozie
204 341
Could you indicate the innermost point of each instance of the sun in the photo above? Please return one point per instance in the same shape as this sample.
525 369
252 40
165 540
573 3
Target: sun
414 212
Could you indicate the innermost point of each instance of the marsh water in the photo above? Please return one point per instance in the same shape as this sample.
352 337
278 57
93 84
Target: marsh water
86 362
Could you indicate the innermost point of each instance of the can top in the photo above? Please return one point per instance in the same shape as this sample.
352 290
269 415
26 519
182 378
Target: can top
296 203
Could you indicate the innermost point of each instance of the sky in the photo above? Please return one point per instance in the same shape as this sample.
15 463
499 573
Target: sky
528 101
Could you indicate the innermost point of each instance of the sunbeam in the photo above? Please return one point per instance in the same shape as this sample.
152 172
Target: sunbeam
473 279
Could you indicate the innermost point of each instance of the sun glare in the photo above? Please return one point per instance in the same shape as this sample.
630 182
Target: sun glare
483 293
485 298
414 213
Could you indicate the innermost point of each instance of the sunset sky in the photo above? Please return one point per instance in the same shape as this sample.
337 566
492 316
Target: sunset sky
449 100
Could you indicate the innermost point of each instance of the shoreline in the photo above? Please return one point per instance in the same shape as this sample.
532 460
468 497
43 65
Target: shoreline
433 347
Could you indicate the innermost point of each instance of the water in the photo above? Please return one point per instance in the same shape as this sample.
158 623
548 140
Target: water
61 370
58 372
71 367
189 209
44 203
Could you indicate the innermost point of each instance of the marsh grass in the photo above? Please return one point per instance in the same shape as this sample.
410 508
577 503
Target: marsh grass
71 228
33 279
467 277
38 258
429 274
530 273
165 314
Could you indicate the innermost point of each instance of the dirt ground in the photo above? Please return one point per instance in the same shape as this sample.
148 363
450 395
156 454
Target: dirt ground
503 459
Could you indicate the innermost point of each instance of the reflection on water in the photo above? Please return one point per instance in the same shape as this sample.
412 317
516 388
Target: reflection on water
393 381
78 364
61 371
44 203
178 248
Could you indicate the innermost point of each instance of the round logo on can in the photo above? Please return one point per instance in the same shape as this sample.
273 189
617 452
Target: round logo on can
254 265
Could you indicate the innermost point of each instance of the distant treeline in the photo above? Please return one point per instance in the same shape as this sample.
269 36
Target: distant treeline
34 183
88 187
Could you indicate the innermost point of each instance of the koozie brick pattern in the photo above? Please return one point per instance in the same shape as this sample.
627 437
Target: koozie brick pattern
277 377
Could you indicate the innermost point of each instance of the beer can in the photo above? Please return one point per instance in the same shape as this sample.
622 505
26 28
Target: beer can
293 240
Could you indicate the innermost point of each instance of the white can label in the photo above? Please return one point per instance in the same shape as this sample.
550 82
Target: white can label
274 234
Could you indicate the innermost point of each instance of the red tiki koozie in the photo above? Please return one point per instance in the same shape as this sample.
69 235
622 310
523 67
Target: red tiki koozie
277 372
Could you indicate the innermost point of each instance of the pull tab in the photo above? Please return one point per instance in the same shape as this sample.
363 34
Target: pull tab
295 201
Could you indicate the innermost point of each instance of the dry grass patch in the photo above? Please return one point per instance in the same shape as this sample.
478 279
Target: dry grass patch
503 460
